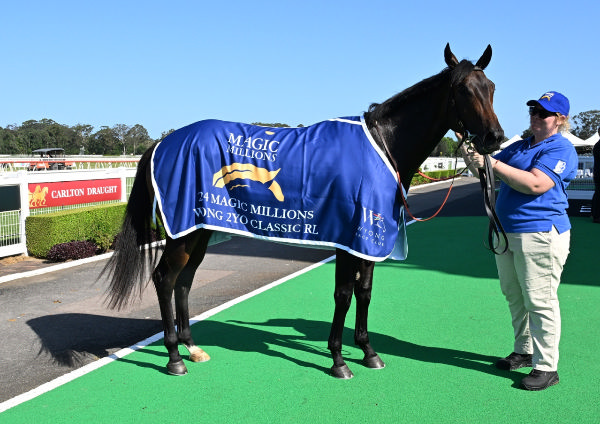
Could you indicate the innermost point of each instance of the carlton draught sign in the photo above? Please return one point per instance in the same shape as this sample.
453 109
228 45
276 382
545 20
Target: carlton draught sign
45 195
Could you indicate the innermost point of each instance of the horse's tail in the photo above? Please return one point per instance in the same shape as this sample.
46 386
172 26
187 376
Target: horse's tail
129 264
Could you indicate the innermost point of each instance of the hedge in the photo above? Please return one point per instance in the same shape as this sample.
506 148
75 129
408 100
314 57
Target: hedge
418 179
99 224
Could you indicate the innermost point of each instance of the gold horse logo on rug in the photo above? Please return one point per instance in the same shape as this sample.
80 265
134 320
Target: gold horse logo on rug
246 171
38 197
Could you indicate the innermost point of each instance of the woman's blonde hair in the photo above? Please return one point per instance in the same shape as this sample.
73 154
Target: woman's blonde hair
566 125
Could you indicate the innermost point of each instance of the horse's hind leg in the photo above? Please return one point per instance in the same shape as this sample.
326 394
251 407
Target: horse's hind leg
352 275
362 291
182 290
172 262
344 283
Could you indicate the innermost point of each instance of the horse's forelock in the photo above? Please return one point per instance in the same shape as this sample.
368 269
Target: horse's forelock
460 72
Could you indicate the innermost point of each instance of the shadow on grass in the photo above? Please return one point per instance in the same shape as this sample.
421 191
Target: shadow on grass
309 336
74 339
71 339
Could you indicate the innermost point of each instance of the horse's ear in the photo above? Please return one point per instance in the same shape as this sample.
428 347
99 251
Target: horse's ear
451 60
485 58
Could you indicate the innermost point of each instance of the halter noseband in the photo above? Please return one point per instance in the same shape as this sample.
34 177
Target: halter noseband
462 130
487 181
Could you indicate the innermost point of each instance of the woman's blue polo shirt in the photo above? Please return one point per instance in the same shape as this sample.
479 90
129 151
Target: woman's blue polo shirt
527 213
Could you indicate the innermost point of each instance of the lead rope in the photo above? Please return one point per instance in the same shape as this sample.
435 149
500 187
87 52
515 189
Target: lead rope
488 186
402 193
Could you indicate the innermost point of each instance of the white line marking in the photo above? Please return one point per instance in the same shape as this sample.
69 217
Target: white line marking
65 265
51 268
59 381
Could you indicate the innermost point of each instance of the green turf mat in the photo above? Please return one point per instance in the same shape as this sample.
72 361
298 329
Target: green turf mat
438 320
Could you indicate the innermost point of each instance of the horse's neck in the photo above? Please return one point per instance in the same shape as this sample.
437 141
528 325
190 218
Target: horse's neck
415 136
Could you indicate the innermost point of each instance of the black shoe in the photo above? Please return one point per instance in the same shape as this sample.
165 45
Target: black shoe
539 380
514 361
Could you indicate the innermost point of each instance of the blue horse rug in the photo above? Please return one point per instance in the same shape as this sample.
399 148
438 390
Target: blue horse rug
325 185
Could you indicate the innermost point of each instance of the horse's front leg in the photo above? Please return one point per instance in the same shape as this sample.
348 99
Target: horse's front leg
362 291
345 273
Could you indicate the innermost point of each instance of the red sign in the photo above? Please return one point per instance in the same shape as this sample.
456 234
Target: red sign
45 195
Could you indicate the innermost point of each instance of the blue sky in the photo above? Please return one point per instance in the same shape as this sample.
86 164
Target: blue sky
167 64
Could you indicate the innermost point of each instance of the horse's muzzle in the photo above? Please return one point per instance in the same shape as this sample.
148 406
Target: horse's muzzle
490 142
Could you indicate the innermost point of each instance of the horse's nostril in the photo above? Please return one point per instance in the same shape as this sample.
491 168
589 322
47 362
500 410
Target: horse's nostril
499 135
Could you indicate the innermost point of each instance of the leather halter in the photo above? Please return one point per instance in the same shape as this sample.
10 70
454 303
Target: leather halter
488 187
465 136
486 180
462 130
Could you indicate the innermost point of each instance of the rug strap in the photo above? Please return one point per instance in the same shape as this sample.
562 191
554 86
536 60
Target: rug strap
154 203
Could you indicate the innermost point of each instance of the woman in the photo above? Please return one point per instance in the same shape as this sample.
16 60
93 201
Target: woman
596 197
531 206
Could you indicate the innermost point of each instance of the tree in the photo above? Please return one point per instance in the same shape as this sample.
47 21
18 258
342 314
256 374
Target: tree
165 134
83 131
527 133
121 130
9 142
276 125
586 124
446 147
34 134
138 138
105 142
79 139
63 136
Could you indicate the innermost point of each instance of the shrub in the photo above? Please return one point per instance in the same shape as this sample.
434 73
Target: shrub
418 180
99 224
157 234
72 250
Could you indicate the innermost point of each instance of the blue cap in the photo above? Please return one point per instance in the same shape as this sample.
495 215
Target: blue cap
552 101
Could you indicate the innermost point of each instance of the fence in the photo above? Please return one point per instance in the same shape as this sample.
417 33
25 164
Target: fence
18 190
11 164
25 193
582 186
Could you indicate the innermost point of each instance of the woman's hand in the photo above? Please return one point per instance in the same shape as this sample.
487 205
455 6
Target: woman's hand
471 156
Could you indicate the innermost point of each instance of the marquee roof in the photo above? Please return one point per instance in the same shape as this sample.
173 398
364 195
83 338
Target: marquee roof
577 142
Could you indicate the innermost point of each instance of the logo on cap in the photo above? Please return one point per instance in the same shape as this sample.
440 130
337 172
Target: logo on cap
547 96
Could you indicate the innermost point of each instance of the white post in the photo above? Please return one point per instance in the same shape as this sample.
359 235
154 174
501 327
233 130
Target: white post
123 185
24 191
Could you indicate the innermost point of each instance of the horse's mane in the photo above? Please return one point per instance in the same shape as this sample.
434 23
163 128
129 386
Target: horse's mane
379 111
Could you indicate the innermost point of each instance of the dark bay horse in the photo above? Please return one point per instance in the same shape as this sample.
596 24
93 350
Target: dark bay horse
407 127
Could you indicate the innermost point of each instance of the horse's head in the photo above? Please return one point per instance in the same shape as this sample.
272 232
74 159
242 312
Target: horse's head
471 101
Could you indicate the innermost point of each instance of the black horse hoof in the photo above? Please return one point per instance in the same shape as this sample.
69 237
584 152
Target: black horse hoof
342 372
374 362
177 368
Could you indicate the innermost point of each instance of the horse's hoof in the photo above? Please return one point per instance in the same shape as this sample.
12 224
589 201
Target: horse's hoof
198 355
342 372
176 368
374 362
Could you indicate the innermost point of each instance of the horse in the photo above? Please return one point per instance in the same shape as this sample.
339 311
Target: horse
407 127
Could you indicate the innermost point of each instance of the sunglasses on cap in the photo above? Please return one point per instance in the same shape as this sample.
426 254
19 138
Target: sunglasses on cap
540 112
